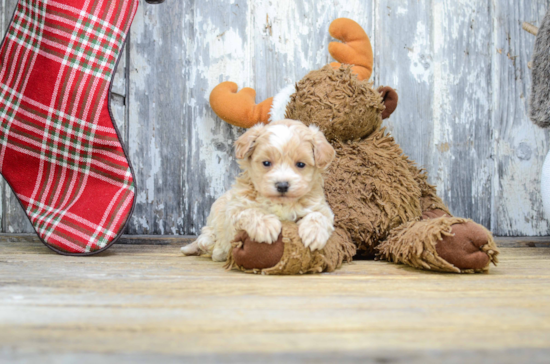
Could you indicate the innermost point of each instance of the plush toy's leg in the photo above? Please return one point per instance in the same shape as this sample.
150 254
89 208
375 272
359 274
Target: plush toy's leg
288 255
60 151
441 243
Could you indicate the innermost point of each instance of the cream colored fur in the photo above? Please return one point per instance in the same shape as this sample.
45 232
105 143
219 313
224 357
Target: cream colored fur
255 205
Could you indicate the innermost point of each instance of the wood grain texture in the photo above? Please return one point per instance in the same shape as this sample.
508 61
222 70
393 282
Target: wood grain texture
181 153
14 218
519 146
460 68
155 116
142 301
290 38
463 164
404 60
5 18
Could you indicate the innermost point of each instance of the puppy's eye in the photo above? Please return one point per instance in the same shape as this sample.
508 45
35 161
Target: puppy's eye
266 163
300 164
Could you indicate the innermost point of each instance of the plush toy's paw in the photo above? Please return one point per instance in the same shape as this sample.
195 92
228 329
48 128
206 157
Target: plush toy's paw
314 232
468 247
443 244
250 254
264 230
288 255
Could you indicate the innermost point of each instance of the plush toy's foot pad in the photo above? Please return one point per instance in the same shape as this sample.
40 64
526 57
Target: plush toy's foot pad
288 255
468 247
250 254
444 244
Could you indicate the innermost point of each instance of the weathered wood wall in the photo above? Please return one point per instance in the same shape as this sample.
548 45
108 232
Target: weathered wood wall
460 67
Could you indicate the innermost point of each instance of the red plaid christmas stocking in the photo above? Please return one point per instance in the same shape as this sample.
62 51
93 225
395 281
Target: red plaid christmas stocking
60 151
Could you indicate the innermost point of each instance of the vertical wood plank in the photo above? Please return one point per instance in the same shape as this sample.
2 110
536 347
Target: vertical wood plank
520 146
118 94
462 152
14 218
181 151
221 51
6 12
404 61
157 88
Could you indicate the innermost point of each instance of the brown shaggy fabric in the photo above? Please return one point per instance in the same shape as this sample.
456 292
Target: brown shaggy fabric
433 214
343 107
296 258
371 189
414 244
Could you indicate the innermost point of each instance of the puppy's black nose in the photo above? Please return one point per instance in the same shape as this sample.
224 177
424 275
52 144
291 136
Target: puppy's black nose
282 187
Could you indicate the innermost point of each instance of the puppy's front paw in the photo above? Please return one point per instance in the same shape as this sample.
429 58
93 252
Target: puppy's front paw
219 254
205 243
315 230
266 230
313 236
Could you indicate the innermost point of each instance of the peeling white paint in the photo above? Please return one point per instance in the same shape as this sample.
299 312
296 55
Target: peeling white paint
227 53
153 176
440 96
142 221
421 62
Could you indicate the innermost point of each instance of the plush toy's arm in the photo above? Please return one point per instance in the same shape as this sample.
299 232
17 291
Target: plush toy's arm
288 255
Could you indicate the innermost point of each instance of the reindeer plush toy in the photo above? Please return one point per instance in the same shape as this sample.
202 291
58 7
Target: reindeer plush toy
383 205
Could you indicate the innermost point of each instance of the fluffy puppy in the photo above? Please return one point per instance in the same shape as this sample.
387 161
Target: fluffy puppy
281 180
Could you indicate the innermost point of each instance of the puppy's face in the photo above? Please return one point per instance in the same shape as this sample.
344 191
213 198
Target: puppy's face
284 159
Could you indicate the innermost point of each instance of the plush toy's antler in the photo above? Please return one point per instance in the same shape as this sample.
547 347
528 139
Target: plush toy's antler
355 50
239 108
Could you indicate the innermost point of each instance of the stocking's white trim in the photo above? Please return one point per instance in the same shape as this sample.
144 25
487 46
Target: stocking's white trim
280 102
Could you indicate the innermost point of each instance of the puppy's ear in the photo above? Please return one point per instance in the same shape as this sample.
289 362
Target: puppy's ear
244 146
323 152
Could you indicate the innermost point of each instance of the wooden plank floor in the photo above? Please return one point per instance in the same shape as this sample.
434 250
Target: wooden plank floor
145 302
